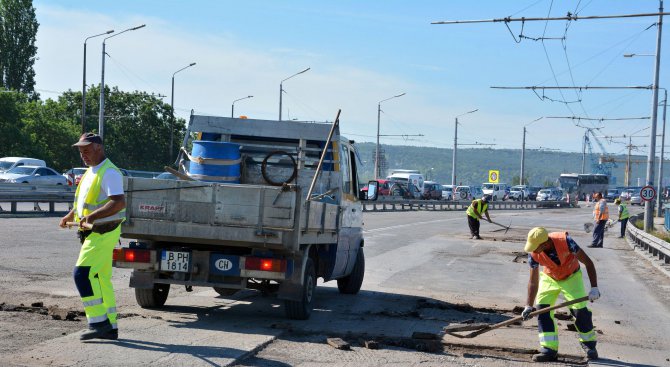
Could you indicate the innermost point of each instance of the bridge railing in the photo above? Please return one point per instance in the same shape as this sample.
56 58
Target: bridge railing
398 205
13 193
657 247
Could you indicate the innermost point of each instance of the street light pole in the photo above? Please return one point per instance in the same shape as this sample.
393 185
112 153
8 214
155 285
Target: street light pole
659 208
83 83
281 88
101 113
172 110
232 108
523 150
379 112
649 205
453 157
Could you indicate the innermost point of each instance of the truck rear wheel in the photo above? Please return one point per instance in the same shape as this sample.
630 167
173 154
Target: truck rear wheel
152 297
301 310
351 284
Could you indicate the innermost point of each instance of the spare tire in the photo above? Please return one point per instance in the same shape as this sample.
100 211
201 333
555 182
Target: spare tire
463 195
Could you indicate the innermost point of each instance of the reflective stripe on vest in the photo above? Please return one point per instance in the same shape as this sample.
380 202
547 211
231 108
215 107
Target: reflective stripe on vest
471 210
605 214
569 263
91 202
624 212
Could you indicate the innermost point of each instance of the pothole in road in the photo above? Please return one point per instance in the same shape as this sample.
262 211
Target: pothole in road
55 312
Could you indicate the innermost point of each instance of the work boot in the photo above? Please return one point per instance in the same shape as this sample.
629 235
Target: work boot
478 238
547 355
591 352
100 332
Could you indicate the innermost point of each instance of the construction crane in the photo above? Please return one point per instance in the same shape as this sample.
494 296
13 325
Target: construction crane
597 165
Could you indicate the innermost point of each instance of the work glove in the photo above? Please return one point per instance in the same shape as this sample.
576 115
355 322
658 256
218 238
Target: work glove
594 294
526 312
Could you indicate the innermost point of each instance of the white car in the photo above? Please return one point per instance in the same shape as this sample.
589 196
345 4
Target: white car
551 194
635 198
447 192
34 175
7 163
519 191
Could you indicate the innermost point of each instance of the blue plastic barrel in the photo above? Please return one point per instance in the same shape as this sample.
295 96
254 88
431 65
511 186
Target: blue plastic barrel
221 161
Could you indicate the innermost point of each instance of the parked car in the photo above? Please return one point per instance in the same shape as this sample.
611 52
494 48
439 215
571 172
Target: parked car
383 186
401 189
432 190
627 193
549 194
612 194
447 192
34 175
532 192
519 192
463 193
476 192
498 191
7 163
74 175
635 198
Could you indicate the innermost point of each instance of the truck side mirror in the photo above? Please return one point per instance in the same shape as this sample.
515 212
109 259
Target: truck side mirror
372 192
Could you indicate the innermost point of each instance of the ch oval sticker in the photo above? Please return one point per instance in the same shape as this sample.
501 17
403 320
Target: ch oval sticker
223 264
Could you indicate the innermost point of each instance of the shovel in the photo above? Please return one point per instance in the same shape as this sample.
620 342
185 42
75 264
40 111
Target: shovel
483 328
88 226
502 226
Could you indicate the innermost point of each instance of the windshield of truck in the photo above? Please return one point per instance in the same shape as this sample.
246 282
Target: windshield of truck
487 186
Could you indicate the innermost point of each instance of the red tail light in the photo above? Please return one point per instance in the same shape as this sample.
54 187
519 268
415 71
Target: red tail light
132 255
273 265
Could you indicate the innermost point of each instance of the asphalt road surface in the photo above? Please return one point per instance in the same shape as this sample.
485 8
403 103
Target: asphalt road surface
422 273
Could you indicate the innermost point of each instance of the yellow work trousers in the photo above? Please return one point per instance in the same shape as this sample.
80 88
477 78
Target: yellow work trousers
93 277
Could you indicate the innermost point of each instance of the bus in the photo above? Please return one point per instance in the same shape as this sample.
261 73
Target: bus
583 184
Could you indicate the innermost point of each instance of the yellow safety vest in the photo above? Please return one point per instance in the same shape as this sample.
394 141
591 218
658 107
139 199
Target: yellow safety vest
91 202
481 208
624 212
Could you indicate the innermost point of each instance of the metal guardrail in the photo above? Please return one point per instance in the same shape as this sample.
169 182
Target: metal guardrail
655 246
14 193
388 205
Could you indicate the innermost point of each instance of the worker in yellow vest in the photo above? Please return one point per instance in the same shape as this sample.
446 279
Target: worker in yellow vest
475 212
600 216
623 215
99 201
560 256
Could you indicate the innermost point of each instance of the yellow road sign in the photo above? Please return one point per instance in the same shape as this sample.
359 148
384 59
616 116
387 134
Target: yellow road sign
494 176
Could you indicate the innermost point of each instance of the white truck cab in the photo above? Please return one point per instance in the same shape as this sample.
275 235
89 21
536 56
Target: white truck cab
8 163
496 190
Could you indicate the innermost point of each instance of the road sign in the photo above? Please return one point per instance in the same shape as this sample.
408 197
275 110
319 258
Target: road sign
494 175
647 193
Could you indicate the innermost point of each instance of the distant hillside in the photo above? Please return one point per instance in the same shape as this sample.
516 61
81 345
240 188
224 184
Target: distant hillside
473 164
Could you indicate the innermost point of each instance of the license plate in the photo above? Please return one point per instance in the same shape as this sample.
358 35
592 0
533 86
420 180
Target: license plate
175 261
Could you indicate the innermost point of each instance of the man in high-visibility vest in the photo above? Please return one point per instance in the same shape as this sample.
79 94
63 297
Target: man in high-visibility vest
475 211
99 201
600 216
623 215
560 256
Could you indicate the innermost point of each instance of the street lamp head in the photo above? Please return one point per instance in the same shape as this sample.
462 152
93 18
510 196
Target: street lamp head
191 64
399 95
138 27
109 31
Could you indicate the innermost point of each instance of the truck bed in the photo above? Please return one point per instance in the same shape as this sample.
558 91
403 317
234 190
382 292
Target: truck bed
194 212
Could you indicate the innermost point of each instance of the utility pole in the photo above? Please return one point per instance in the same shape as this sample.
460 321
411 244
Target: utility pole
649 205
453 156
659 210
523 151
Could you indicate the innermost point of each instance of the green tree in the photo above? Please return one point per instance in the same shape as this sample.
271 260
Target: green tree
18 29
12 140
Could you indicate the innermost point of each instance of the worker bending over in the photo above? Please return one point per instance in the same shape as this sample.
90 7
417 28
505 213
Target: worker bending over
476 210
560 256
623 215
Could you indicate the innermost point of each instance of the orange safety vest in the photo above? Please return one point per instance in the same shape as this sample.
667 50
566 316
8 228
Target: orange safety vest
597 214
569 262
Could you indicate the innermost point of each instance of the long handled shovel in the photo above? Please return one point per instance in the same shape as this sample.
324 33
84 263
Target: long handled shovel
481 328
503 226
76 224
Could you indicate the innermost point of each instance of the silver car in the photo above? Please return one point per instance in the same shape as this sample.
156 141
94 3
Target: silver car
34 175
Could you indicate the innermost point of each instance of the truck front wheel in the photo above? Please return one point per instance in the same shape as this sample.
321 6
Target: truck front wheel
351 284
152 297
302 309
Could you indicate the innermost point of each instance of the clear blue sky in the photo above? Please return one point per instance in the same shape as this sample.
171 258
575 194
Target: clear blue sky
361 52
